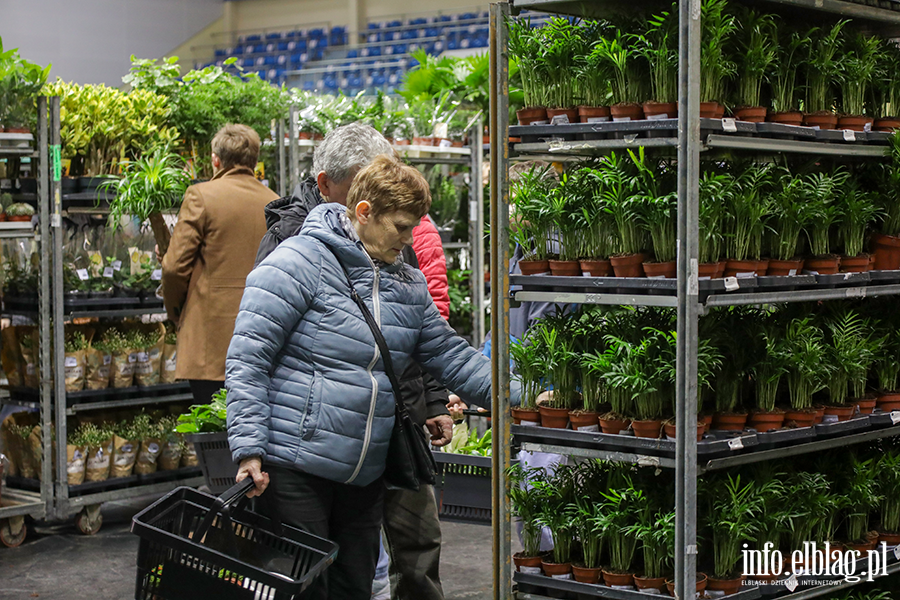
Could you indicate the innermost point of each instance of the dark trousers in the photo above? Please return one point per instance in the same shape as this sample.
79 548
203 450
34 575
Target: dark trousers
203 389
349 515
413 533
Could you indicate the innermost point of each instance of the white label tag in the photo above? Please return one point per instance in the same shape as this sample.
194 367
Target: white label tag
132 358
540 123
143 357
658 117
830 419
563 577
621 119
736 443
156 275
867 127
560 120
897 552
598 119
440 130
593 428
108 272
650 591
729 126
657 277
747 275
624 588
107 359
791 583
71 361
792 272
153 447
849 135
445 144
117 265
895 417
83 274
731 284
530 570
529 423
715 593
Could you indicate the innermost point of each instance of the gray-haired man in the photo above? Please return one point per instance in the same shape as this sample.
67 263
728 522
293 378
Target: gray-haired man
411 522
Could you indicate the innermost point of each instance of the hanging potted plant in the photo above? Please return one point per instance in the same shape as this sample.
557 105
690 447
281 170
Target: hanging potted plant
529 369
788 217
561 43
756 41
658 212
592 76
858 211
655 530
557 512
823 67
888 476
526 505
807 369
616 189
821 194
620 512
749 205
732 518
768 371
620 56
790 54
716 67
658 45
886 88
857 72
861 498
714 193
525 48
886 242
530 221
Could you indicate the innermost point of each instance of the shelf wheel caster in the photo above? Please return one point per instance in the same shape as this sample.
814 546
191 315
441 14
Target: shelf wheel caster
12 531
89 520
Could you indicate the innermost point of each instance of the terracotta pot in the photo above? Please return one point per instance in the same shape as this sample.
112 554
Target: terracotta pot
669 430
888 401
866 406
891 539
820 414
18 218
593 114
626 112
822 121
708 110
565 268
762 267
551 569
571 115
629 265
803 418
613 426
525 414
534 267
785 267
646 429
736 267
854 122
855 264
887 252
596 268
707 421
456 144
304 135
664 270
661 110
823 265
843 413
554 418
729 586
405 142
582 420
15 129
618 579
423 141
786 118
710 270
701 582
527 116
729 422
753 114
886 124
863 547
766 421
649 583
723 264
529 562
586 575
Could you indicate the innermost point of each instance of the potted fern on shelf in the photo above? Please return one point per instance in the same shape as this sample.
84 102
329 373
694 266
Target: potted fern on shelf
530 222
617 190
886 241
858 65
861 498
557 512
565 214
823 67
749 205
561 43
657 211
590 532
821 190
621 507
595 226
529 369
756 42
655 530
768 372
847 333
714 193
886 88
807 369
888 477
887 368
858 211
618 53
592 76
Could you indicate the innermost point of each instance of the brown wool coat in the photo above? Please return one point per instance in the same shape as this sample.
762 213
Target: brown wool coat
214 244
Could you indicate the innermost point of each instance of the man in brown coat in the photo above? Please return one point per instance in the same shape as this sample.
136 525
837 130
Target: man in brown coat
220 225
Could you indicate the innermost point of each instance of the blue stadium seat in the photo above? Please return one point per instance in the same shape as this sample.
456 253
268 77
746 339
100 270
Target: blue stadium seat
260 61
291 34
262 73
279 74
394 24
317 33
296 59
378 80
301 45
410 34
445 18
331 83
373 26
352 53
318 54
247 62
236 51
282 59
479 42
220 53
273 36
253 38
309 85
283 46
418 21
432 32
452 45
400 49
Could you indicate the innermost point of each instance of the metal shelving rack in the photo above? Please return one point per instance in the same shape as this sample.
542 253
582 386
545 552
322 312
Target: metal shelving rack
686 295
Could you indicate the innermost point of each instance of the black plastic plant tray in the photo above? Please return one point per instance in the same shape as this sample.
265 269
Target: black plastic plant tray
151 302
718 126
842 427
164 389
781 130
838 135
121 483
609 285
884 277
785 437
882 419
772 283
843 279
602 591
878 137
107 303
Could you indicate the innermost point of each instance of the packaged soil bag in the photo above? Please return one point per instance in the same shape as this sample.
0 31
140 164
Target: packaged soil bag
167 368
124 456
11 356
151 446
122 358
76 345
149 342
172 446
28 345
75 464
97 366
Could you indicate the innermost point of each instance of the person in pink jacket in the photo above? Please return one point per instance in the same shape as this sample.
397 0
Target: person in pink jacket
433 263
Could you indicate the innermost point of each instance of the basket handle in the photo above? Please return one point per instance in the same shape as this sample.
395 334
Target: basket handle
223 504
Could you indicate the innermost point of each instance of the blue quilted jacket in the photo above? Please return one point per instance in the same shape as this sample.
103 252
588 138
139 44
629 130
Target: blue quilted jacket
306 384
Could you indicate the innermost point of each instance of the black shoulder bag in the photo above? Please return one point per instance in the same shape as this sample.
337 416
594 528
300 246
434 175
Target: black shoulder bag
409 461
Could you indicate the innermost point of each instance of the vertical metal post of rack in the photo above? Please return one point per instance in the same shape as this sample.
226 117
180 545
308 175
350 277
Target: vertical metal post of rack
282 170
476 230
56 320
43 201
688 307
294 154
500 517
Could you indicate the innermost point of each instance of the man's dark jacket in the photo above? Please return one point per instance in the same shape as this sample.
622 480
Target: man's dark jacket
425 398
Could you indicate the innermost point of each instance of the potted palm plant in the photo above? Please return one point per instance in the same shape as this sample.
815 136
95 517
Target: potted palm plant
749 205
557 512
600 365
821 191
807 495
588 526
807 369
657 211
560 360
731 378
595 225
634 374
658 45
888 474
562 43
768 371
732 518
592 76
620 56
621 509
858 65
655 530
858 211
525 47
861 498
529 369
886 242
775 514
526 506
617 191
887 368
714 193
790 54
823 67
566 216
588 336
847 340
530 222
789 216
716 67
757 42
886 89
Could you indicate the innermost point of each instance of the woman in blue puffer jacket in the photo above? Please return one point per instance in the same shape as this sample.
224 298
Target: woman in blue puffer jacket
310 408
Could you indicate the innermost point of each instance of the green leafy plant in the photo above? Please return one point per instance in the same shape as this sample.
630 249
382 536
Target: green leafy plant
862 496
561 43
823 67
847 351
757 42
716 67
557 510
616 189
857 71
20 83
75 341
204 418
790 215
657 209
617 52
531 220
770 367
715 191
857 212
888 476
807 367
749 205
656 532
790 56
525 47
885 85
733 508
621 509
821 191
658 45
445 199
526 505
529 367
592 71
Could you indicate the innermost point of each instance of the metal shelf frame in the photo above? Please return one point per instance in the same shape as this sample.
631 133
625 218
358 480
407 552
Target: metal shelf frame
686 300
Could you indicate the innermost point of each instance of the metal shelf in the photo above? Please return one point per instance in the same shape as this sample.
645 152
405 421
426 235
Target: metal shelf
164 487
730 142
21 502
121 313
16 229
582 590
641 460
591 147
77 408
803 295
584 298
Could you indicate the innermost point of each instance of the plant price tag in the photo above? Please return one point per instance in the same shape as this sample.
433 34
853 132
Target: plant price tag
736 443
530 570
156 275
731 284
897 552
729 126
598 119
529 423
564 576
83 274
591 428
108 272
560 120
791 583
117 265
849 135
895 417
71 361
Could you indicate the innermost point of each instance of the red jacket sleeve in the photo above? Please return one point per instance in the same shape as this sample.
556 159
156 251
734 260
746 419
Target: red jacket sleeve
433 263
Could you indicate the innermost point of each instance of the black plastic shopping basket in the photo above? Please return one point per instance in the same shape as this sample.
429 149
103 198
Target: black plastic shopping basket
196 546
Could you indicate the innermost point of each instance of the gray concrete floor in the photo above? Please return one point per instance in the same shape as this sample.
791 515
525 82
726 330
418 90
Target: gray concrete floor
56 562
